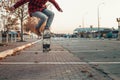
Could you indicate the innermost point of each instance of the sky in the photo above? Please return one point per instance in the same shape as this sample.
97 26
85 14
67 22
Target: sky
77 11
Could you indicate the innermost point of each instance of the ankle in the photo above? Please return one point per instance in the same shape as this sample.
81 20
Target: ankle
46 27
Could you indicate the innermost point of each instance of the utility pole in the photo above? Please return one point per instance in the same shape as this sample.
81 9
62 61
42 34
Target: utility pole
118 20
98 16
83 19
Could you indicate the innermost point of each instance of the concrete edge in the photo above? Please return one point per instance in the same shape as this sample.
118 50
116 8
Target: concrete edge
10 52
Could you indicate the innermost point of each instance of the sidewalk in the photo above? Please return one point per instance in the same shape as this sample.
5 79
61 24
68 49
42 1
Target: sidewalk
13 47
58 64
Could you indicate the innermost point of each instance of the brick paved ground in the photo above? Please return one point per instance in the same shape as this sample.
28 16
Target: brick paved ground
32 64
11 45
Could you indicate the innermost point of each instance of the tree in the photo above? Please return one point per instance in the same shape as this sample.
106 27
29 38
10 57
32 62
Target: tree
12 23
30 24
21 14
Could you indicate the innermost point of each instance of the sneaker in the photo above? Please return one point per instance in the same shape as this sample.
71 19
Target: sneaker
46 28
37 32
47 33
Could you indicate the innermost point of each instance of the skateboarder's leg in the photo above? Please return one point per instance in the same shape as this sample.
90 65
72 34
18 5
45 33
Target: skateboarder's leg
50 16
42 17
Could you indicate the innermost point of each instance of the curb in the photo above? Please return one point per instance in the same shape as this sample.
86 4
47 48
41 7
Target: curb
10 52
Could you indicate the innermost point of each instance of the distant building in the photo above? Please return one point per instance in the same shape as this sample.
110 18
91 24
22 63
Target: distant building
93 32
79 30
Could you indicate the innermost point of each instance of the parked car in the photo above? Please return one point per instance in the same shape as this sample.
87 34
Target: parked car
115 33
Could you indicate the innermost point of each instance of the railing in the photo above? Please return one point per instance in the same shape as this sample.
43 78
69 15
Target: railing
8 38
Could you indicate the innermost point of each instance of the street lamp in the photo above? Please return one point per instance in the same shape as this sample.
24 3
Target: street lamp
98 15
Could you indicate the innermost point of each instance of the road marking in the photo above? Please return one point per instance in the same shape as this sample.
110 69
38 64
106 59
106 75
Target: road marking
74 46
49 51
31 51
88 51
71 63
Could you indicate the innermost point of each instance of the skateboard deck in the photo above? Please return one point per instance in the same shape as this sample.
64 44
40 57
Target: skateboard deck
46 40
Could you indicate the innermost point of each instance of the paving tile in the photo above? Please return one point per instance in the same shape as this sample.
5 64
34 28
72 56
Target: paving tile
47 66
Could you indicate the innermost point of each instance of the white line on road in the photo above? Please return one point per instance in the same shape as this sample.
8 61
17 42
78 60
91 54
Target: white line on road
42 51
88 51
71 63
71 46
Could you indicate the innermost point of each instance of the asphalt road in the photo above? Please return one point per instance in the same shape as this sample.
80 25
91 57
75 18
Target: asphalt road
102 55
69 59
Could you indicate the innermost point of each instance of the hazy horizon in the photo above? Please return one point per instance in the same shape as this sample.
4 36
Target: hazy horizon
74 11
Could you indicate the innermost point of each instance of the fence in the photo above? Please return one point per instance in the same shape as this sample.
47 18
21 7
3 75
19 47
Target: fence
8 37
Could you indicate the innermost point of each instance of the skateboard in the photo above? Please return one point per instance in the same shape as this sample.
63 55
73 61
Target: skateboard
46 40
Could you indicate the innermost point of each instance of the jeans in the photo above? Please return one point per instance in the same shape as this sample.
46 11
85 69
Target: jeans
45 15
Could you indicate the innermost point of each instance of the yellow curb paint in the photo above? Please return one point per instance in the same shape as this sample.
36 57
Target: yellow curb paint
12 51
